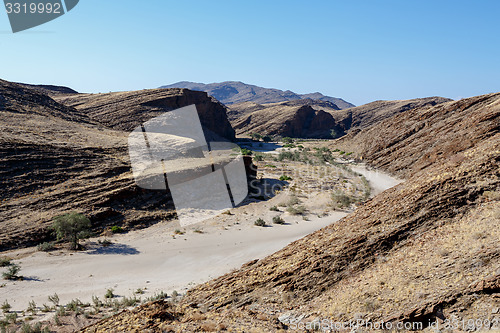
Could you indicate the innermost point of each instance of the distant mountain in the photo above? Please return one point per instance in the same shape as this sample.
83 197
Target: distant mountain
231 92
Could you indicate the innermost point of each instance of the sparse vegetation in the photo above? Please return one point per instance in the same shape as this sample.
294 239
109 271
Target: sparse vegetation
12 273
179 232
46 246
341 200
54 299
109 293
260 222
6 307
285 178
4 262
72 227
274 209
116 229
278 220
296 210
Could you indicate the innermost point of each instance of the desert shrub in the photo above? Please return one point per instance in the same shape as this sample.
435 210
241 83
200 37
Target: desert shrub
139 291
36 328
74 305
285 178
278 220
72 227
109 293
11 317
258 157
293 201
54 299
11 273
116 229
32 307
288 155
46 246
6 306
198 231
45 308
4 262
266 138
129 301
178 232
269 166
246 152
260 222
341 200
274 209
296 210
287 140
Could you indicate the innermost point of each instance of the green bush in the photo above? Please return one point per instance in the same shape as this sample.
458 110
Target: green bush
296 210
46 246
260 222
269 166
246 152
4 262
11 273
341 200
274 209
116 229
285 178
72 227
258 157
278 220
54 299
6 307
109 293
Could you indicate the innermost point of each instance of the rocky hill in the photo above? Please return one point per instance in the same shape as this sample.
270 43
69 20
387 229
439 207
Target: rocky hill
422 252
285 119
329 121
414 141
231 92
71 154
127 110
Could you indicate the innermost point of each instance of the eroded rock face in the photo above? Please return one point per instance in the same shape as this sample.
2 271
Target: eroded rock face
288 120
127 110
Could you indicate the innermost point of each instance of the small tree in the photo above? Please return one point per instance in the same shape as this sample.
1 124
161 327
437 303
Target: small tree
72 227
266 138
256 136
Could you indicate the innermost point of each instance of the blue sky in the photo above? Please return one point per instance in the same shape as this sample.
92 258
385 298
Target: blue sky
357 50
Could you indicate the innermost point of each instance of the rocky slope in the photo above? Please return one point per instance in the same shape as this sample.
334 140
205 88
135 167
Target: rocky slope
413 141
422 252
369 114
231 92
57 158
127 110
250 117
290 119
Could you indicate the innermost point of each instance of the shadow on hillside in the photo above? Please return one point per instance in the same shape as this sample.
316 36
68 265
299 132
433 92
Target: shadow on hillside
114 248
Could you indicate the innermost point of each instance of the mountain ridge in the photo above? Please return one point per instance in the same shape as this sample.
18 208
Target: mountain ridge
230 92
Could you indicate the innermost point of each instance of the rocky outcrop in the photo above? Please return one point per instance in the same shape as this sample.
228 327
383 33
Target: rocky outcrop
127 110
249 117
288 120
